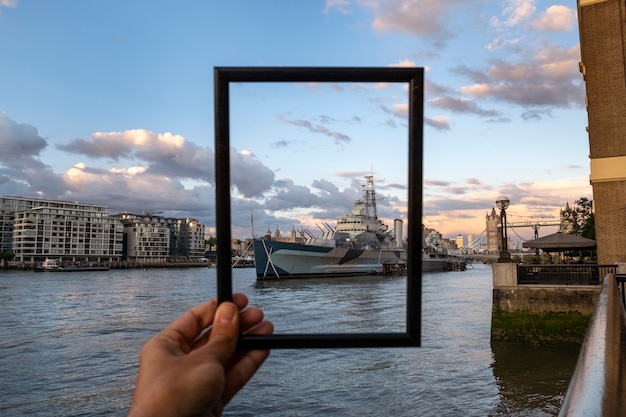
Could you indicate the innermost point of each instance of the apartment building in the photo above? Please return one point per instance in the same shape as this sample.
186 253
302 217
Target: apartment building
153 238
34 229
187 238
146 237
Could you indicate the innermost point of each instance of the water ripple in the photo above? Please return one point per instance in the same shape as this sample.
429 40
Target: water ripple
69 345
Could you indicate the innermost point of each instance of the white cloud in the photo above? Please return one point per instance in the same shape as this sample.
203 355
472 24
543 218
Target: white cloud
401 110
550 78
424 18
518 11
438 122
343 6
405 63
556 19
419 17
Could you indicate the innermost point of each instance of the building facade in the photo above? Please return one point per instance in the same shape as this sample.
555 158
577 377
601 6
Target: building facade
460 241
8 207
602 26
146 238
187 238
150 238
35 229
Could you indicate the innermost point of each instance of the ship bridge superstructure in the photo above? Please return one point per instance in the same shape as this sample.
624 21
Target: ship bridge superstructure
364 217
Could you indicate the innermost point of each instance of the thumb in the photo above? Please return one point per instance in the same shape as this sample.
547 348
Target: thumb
225 331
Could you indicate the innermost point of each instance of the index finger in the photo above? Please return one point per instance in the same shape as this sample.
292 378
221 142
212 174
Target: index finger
193 322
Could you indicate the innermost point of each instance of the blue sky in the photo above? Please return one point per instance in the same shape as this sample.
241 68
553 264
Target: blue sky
111 103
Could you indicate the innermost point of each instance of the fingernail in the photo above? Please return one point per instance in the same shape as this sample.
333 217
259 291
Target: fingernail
226 312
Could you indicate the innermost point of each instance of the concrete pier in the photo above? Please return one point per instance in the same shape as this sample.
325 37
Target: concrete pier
539 314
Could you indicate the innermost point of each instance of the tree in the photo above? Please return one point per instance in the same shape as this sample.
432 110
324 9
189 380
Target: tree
6 257
210 242
580 219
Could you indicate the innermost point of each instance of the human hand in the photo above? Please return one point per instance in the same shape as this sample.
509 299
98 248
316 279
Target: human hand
185 371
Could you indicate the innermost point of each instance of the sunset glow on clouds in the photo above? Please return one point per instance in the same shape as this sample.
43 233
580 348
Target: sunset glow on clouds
116 110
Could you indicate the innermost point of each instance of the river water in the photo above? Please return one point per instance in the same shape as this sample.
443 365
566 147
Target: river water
69 344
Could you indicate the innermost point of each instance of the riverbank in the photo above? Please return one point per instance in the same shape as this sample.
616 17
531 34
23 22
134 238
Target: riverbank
117 265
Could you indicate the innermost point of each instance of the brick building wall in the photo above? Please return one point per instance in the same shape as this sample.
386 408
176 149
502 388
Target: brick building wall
602 25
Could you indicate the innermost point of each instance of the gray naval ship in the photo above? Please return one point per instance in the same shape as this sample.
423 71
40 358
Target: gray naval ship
361 244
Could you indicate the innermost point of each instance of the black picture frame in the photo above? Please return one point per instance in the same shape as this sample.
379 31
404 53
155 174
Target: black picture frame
414 78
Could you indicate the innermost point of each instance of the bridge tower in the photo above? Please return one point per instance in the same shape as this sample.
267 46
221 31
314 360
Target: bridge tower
602 27
492 228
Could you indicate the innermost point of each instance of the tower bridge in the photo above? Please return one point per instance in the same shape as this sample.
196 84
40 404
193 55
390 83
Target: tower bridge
490 235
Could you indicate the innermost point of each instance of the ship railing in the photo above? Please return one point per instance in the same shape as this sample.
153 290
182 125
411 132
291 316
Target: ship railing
580 274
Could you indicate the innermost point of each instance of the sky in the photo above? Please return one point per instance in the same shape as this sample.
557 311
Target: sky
111 103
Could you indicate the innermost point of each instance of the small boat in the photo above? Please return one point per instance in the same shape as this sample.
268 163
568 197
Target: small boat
361 244
49 265
52 265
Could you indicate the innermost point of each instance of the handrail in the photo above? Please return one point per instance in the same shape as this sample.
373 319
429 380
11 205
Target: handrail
571 274
621 284
598 386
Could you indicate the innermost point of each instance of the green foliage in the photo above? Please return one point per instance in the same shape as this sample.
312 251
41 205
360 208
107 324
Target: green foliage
580 220
542 259
5 257
210 242
531 260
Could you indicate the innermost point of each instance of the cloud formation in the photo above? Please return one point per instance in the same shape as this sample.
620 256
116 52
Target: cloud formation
148 171
167 153
316 128
18 141
21 170
549 79
8 3
544 76
556 18
424 18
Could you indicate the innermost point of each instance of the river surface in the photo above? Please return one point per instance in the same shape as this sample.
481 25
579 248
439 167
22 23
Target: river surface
69 344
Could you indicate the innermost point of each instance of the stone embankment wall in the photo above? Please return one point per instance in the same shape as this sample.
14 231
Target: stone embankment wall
539 314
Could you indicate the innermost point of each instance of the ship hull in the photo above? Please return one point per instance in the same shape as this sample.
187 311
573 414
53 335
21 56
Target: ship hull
293 260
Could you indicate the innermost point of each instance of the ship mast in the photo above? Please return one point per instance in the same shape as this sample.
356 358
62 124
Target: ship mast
370 197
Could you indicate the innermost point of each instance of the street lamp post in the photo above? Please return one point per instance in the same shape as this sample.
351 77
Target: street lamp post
503 203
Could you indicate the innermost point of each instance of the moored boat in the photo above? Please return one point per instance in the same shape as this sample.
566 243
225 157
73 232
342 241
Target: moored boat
361 244
52 265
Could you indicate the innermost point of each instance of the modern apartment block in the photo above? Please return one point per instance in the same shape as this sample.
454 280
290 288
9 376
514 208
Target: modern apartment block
146 238
188 238
602 26
152 238
34 229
